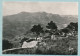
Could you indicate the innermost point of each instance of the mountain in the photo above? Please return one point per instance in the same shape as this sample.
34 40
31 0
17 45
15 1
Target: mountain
42 18
18 24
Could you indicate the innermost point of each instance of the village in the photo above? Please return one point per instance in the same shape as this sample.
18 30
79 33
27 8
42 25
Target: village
32 42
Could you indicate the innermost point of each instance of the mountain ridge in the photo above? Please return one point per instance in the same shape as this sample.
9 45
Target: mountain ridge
41 17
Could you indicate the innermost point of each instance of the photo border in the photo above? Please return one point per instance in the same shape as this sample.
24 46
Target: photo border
1 15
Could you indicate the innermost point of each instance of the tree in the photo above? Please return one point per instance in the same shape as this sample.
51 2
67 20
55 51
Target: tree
73 26
65 30
6 44
37 29
52 26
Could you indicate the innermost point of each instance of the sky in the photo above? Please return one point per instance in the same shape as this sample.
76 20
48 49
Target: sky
62 8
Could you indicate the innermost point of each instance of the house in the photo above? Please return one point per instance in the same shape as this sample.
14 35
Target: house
39 38
29 43
53 37
46 37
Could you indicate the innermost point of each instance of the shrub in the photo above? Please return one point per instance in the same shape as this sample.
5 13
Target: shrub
6 44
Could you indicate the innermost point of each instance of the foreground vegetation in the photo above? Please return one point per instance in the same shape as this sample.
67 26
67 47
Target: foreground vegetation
57 47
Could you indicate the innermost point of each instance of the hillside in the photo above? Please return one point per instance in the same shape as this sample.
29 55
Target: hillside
41 17
18 24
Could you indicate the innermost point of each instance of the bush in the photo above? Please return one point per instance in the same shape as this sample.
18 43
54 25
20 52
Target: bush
6 44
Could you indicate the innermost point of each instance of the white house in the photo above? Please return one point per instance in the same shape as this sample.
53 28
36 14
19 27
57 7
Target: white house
39 39
53 37
30 44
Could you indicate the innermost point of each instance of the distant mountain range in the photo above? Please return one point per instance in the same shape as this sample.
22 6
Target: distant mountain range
19 24
41 18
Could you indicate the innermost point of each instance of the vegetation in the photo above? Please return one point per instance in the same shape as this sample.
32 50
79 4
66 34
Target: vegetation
73 26
65 30
52 26
37 29
61 48
6 44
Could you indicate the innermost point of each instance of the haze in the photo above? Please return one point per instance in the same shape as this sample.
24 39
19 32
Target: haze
62 8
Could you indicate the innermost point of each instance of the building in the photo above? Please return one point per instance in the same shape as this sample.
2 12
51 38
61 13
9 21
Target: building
29 43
